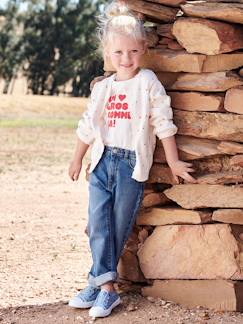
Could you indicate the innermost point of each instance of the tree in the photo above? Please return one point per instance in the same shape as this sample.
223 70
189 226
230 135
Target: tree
39 44
59 45
89 63
10 42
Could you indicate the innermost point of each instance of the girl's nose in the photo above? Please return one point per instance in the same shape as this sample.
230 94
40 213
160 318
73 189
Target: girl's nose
126 56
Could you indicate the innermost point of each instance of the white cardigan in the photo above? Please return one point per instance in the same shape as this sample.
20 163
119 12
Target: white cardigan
155 118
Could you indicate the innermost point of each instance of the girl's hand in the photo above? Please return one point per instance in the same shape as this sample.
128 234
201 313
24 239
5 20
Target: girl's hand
181 169
75 169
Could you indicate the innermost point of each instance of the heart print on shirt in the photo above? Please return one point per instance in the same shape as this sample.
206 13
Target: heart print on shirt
117 108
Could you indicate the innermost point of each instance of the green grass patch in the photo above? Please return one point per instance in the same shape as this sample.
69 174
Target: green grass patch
68 123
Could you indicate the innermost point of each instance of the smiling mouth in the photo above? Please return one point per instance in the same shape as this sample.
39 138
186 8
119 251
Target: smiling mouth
126 66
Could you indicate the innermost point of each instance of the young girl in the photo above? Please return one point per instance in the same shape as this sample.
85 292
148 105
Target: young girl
126 111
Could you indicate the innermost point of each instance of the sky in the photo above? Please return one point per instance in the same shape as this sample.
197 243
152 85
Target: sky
4 2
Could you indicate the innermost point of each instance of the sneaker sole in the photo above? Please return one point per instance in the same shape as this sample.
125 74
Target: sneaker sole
98 312
76 304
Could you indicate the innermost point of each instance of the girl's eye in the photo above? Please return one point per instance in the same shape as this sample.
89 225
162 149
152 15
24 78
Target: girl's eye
134 51
117 52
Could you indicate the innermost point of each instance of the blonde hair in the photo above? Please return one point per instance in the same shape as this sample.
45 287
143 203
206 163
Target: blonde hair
118 19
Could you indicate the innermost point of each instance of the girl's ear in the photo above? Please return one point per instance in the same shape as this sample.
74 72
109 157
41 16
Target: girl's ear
105 57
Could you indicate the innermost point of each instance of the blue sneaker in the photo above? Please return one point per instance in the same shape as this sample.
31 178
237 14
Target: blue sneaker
104 303
85 298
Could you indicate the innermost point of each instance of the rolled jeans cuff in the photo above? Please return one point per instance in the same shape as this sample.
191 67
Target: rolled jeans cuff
102 279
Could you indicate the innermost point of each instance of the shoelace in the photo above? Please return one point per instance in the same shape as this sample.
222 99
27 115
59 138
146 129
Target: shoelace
88 292
104 298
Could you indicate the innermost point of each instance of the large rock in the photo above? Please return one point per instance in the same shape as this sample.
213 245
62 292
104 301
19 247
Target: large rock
213 169
179 61
230 147
172 61
190 148
223 62
152 37
173 3
219 295
233 100
205 82
218 169
198 147
231 12
155 198
204 195
237 160
212 251
165 216
153 10
209 125
233 216
128 267
165 30
161 173
233 1
221 169
196 101
198 35
233 177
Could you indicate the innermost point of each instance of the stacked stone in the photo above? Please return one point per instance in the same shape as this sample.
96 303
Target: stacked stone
189 237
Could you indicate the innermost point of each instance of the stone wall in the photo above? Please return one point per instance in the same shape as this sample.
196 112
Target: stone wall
188 241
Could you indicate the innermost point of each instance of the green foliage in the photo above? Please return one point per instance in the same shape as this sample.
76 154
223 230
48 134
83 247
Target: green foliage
88 58
10 42
58 44
39 45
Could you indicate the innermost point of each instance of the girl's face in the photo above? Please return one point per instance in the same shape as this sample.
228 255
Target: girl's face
125 54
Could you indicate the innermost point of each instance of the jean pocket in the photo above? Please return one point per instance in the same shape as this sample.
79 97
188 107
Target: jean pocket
132 162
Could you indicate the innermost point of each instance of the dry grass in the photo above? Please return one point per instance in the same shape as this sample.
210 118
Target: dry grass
40 107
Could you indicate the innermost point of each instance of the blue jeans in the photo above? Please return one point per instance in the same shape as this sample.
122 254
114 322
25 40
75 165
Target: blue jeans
114 201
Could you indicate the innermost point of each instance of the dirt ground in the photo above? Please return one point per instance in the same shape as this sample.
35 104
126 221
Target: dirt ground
44 253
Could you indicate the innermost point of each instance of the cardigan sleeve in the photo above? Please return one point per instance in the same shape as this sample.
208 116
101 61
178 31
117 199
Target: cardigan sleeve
161 114
85 130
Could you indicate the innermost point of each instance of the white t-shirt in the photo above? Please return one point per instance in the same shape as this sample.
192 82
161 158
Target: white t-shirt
119 115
